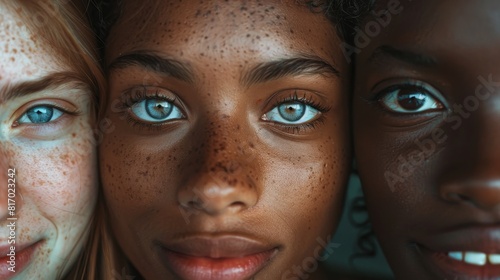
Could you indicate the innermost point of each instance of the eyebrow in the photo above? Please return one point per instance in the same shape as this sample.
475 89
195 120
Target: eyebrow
403 55
156 63
53 80
273 70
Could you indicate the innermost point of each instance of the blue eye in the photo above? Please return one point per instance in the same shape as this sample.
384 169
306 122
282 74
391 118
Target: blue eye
40 114
156 110
294 112
411 98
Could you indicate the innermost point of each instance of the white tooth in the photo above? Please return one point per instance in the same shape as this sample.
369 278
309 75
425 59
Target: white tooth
494 258
475 258
456 255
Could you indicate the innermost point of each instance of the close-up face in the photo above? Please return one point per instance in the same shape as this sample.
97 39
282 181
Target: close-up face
48 176
426 118
231 144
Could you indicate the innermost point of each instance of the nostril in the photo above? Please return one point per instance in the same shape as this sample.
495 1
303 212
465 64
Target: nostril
192 204
237 204
464 197
480 194
452 197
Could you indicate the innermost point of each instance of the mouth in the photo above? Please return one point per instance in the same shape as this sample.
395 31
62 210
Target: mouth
472 253
222 257
12 262
475 258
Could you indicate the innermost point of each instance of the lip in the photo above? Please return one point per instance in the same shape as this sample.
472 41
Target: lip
221 257
484 239
23 256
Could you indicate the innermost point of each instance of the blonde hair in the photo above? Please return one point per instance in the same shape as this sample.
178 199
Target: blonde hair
62 25
101 259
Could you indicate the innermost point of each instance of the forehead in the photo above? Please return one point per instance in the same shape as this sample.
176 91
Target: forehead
221 26
24 55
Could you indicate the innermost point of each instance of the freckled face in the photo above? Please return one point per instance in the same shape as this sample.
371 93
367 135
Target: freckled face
231 123
426 120
46 137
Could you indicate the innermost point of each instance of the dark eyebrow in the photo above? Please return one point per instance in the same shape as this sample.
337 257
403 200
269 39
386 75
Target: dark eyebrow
54 80
288 67
406 56
155 63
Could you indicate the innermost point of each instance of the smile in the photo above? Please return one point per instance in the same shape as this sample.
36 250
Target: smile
464 253
13 262
227 257
475 258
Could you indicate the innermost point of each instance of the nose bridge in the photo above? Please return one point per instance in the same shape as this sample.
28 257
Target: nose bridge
480 138
221 172
472 173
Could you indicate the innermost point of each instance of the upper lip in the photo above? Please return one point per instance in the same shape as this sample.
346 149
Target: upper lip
223 246
480 238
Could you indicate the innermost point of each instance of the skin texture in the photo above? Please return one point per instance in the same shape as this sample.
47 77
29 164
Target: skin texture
430 175
55 178
222 170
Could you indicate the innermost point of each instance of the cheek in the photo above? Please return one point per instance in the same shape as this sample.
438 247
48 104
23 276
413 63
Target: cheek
57 177
311 184
131 175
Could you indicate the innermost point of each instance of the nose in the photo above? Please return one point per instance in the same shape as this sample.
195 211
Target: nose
220 178
215 192
481 194
473 161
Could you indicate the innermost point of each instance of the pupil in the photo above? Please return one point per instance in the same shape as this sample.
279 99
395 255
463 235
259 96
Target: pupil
292 111
158 109
41 114
411 101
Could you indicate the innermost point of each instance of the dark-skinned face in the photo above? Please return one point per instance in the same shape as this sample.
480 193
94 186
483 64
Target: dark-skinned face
426 122
231 147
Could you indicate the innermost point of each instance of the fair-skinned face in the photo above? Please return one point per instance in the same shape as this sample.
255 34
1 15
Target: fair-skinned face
217 168
46 136
426 118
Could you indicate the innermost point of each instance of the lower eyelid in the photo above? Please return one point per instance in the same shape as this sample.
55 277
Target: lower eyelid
56 129
299 129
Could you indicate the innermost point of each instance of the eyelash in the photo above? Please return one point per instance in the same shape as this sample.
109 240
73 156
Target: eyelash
376 98
139 95
129 99
65 111
304 127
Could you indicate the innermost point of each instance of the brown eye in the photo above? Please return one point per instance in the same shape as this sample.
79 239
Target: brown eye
410 99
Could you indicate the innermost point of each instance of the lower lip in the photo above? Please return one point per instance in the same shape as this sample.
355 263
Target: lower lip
453 269
204 268
22 259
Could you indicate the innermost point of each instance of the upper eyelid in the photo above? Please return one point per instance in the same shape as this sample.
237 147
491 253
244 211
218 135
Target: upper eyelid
22 110
307 97
135 94
435 92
